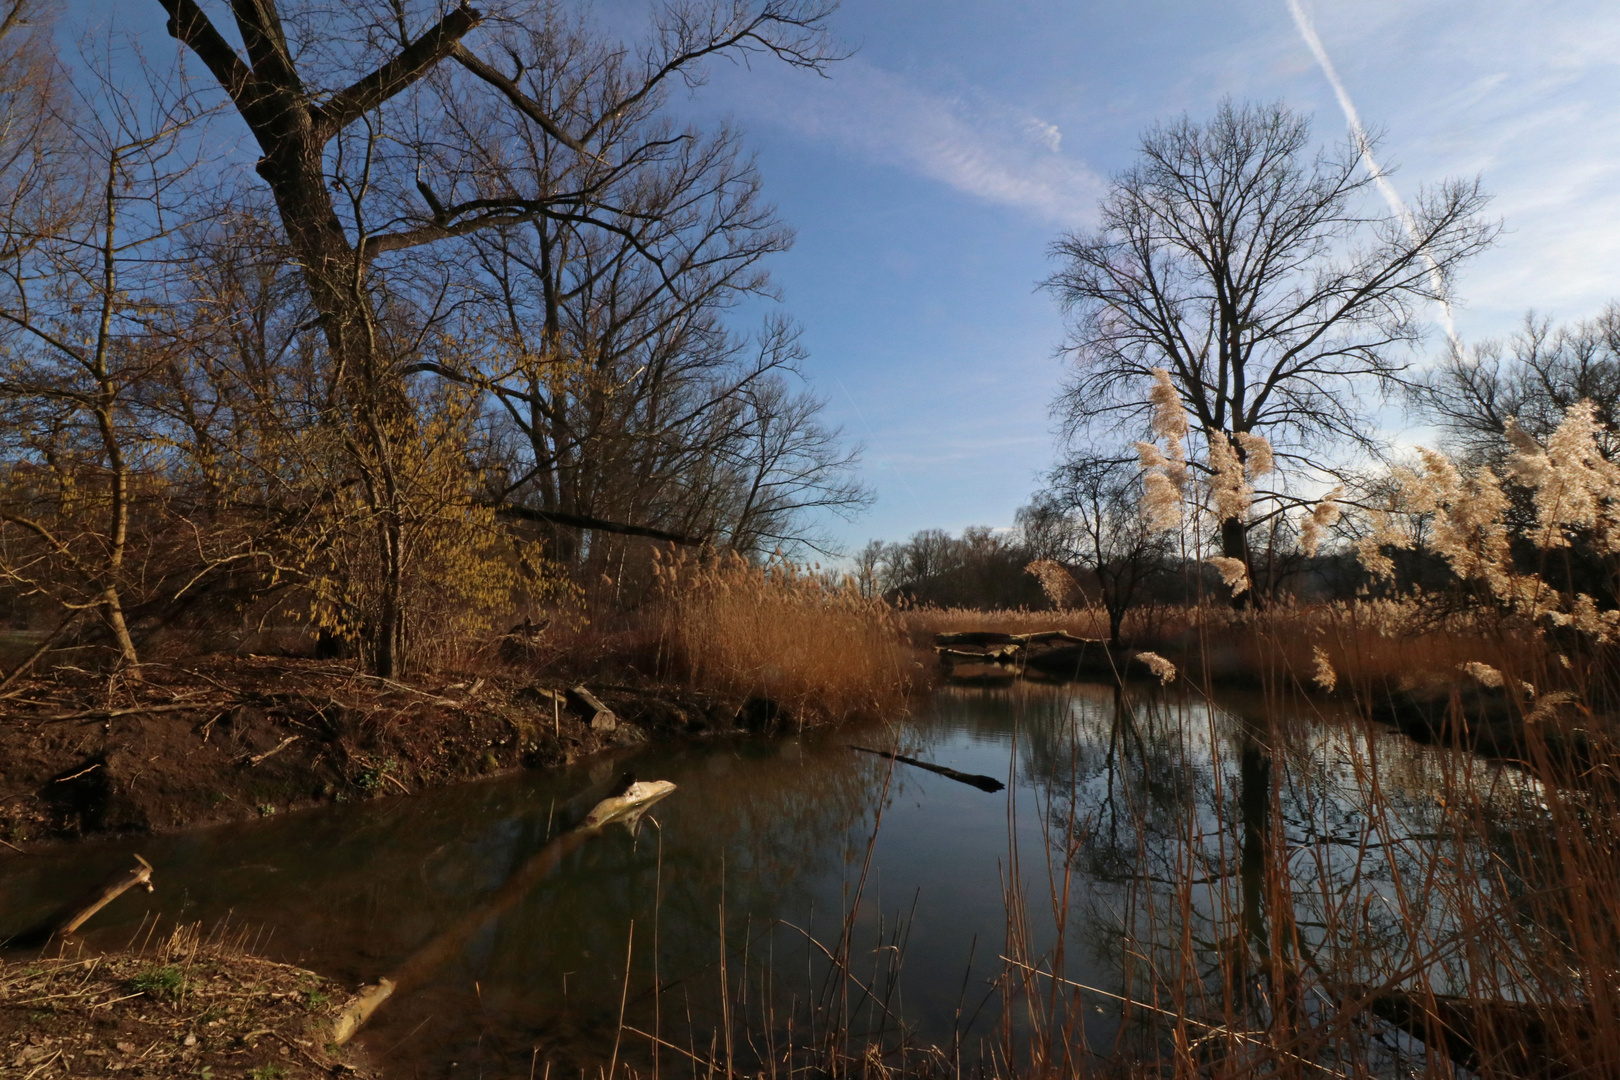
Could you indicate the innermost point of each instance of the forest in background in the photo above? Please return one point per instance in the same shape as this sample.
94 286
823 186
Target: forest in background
381 331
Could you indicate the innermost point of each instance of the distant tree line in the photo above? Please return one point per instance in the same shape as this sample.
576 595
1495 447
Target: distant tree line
981 568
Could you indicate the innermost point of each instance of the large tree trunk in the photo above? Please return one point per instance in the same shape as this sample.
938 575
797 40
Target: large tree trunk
365 398
365 393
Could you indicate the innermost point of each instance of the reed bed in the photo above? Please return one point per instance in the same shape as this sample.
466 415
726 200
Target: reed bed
783 634
1373 646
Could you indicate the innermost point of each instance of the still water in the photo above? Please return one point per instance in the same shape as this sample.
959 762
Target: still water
783 840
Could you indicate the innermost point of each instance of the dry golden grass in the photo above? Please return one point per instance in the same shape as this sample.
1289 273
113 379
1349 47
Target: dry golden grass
819 651
179 1006
1369 644
1376 645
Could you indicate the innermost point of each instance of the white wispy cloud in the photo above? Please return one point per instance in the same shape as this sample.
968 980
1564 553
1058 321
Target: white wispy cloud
1519 92
1358 137
980 147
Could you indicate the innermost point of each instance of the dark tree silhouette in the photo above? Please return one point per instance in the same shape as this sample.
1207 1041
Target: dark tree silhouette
1257 274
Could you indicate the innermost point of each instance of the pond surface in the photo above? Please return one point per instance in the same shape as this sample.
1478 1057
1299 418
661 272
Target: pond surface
1115 804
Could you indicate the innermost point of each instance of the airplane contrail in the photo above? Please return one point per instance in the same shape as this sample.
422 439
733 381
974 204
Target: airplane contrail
1358 135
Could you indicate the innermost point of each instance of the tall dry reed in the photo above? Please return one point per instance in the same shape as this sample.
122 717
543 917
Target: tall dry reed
783 633
1290 893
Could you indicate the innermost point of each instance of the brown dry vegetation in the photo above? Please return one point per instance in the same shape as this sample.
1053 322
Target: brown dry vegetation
782 633
177 1007
1382 644
723 645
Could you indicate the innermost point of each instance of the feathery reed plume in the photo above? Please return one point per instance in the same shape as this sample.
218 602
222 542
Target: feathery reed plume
1574 488
1229 489
1166 477
1169 417
1324 676
1257 456
1056 582
1162 668
1233 572
1484 673
1323 516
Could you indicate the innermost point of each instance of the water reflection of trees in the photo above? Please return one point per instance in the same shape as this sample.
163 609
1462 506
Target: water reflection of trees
751 822
1256 868
1244 868
354 891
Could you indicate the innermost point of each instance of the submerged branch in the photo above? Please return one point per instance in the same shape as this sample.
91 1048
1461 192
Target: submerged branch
983 783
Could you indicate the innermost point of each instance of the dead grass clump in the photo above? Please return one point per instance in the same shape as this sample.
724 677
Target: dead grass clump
181 1007
782 633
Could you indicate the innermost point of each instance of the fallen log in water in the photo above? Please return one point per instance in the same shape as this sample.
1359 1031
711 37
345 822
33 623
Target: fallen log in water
598 715
1050 635
626 808
983 783
993 637
70 918
1004 655
1495 1036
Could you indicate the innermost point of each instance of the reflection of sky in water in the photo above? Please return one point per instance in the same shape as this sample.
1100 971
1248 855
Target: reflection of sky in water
783 825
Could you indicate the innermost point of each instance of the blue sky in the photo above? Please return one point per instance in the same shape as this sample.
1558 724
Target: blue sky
927 174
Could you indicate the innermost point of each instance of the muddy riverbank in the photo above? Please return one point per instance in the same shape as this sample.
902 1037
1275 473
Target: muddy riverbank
232 738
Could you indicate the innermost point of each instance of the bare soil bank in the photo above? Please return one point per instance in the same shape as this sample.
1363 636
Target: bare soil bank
226 738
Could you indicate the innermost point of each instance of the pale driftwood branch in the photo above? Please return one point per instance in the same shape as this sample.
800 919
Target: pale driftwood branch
106 894
1051 635
1005 654
995 637
112 714
983 783
450 702
359 1008
625 808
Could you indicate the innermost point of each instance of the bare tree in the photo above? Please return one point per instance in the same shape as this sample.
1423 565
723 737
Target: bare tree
631 399
1261 279
81 280
1532 378
41 184
1093 503
868 569
386 139
789 466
